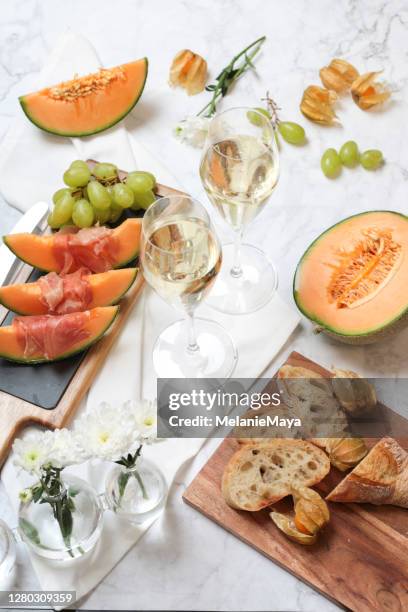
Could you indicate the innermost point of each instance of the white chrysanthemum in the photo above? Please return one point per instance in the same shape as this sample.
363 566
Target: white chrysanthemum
107 432
32 452
65 448
145 414
193 130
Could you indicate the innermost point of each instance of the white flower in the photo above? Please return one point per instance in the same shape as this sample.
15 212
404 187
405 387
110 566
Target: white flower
25 496
145 414
65 448
193 130
107 432
32 452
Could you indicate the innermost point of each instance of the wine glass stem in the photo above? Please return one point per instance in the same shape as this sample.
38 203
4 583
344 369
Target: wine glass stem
236 270
192 346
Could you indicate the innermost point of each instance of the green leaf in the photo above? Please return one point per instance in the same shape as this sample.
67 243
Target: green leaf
122 483
30 531
73 492
37 492
66 523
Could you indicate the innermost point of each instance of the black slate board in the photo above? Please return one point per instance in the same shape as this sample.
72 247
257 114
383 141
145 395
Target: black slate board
44 384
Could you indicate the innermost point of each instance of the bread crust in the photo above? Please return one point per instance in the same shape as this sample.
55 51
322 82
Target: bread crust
380 478
246 487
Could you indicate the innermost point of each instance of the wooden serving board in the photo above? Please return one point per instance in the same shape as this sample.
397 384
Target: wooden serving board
360 560
16 413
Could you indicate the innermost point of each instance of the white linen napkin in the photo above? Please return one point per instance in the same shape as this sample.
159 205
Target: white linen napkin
31 165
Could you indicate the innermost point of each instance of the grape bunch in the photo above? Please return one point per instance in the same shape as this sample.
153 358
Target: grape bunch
332 161
98 195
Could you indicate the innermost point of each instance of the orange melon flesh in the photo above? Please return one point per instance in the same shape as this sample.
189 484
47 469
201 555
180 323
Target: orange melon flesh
100 321
91 113
38 250
314 273
107 288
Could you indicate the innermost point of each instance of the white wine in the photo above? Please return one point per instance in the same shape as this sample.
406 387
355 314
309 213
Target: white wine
239 174
181 260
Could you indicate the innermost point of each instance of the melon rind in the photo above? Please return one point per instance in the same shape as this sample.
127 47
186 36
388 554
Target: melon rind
368 336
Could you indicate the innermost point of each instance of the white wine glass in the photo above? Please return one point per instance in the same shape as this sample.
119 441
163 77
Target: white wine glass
239 171
181 257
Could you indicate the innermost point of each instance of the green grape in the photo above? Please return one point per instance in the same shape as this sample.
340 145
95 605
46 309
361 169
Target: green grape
77 176
139 182
292 132
122 195
102 216
51 221
255 119
371 159
330 163
83 214
150 175
79 163
115 215
57 195
349 154
105 172
143 200
63 209
98 195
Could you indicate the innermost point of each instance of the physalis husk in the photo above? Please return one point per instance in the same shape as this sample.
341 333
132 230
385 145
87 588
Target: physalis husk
317 104
366 93
188 70
339 75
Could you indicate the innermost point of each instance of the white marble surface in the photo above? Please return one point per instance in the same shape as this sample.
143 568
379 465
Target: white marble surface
185 562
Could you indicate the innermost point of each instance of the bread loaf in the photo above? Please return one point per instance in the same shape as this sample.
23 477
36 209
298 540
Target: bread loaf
380 478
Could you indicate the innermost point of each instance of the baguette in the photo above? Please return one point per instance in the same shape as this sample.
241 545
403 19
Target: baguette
380 478
259 475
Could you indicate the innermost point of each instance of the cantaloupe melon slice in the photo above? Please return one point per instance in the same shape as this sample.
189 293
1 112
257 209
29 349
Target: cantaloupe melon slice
352 280
89 104
38 251
107 288
99 322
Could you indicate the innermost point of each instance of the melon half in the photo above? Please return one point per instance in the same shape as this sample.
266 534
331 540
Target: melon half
89 104
352 280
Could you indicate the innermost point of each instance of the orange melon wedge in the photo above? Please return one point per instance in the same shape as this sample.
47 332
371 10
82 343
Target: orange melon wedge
99 322
38 251
107 289
88 104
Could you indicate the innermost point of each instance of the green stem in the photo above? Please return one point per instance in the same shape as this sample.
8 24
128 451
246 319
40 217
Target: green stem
141 484
218 93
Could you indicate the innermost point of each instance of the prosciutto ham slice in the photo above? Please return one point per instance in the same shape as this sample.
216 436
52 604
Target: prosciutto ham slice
51 336
65 294
93 248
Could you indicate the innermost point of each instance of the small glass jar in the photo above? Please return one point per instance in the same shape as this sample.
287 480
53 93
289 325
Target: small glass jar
41 531
7 557
136 494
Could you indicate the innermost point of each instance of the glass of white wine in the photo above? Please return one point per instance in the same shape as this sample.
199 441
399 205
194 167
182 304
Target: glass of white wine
181 257
239 171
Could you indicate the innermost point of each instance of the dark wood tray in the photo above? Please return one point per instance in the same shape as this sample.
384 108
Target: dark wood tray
360 560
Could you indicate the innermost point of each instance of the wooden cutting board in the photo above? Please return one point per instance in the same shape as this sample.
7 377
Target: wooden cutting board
16 413
361 559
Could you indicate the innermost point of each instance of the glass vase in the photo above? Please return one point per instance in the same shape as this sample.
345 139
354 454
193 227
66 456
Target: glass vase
40 529
137 494
7 557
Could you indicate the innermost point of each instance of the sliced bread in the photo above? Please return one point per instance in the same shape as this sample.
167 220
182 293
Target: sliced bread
259 475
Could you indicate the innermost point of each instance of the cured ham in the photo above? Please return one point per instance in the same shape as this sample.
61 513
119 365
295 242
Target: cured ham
65 294
94 248
51 336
